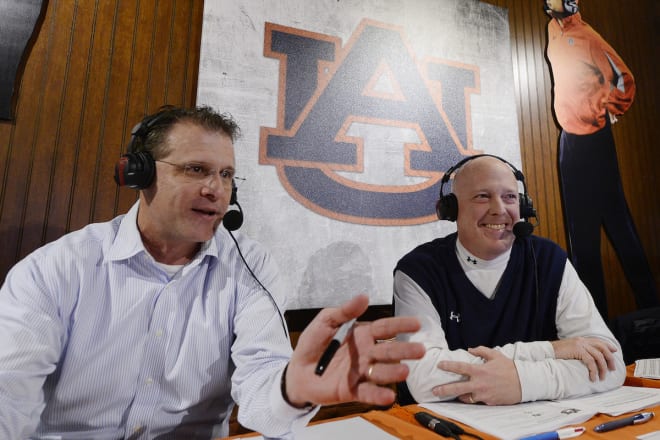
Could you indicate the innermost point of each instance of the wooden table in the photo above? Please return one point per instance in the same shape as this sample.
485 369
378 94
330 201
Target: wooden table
633 381
400 422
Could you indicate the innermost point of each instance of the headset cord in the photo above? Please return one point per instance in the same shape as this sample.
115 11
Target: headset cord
270 296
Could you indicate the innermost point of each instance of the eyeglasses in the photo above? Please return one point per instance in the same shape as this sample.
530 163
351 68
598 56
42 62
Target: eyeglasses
196 172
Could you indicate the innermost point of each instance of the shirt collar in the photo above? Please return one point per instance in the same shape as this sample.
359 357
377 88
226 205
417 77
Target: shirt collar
128 241
470 260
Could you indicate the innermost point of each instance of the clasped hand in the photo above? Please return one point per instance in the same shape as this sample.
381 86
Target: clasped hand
594 353
496 381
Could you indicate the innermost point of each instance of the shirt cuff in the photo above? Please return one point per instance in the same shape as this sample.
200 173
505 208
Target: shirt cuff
283 410
531 387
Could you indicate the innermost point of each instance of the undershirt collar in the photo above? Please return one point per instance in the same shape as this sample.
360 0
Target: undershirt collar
485 275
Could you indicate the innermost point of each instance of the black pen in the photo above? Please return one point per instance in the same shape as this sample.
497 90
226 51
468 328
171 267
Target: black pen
337 340
626 421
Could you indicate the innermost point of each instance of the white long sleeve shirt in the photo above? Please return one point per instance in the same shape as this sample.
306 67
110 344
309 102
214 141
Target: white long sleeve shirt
97 341
542 377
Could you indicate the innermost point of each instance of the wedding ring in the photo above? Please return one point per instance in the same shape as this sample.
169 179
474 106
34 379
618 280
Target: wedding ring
471 399
369 371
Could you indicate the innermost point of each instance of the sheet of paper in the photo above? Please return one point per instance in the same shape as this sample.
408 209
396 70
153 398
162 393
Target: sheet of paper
530 418
619 401
355 427
647 368
514 421
655 435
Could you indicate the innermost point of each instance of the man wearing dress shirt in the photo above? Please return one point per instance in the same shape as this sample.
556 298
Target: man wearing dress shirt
151 325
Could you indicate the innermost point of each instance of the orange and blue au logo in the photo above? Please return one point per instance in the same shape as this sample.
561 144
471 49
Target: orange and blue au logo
374 81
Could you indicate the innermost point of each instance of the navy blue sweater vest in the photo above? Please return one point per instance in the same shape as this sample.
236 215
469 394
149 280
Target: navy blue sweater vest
523 307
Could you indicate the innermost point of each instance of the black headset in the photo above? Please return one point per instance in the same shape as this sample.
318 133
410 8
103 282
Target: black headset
447 206
137 168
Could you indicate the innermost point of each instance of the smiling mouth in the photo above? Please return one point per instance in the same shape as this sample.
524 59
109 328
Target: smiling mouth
497 227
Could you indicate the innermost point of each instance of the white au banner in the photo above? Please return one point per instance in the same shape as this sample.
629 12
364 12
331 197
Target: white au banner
350 113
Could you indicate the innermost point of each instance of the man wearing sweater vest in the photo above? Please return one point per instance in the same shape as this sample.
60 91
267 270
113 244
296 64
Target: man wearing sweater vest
505 318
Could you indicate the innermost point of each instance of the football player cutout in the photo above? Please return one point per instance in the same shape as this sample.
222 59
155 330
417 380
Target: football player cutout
592 88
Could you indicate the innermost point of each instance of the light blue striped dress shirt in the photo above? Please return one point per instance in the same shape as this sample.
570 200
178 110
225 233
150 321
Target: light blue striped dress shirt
97 342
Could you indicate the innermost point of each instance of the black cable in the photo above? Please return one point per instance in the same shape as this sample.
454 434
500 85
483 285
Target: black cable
457 430
270 296
442 426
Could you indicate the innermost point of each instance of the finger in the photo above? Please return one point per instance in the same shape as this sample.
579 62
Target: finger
592 366
610 359
315 338
391 352
373 394
347 311
453 389
467 398
599 353
607 352
331 318
383 374
462 368
388 328
601 364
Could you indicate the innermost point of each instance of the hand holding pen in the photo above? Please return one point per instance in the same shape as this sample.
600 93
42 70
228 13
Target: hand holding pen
358 368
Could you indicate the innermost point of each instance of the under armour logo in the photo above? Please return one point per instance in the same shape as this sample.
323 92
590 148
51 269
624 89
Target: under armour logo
456 316
471 260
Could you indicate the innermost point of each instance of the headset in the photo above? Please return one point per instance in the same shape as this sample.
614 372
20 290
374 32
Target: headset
137 169
447 209
447 205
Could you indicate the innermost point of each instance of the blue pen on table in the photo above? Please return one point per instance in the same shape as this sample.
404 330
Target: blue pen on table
337 340
558 434
626 421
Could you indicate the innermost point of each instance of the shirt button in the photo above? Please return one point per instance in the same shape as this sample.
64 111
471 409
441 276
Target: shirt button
159 333
149 381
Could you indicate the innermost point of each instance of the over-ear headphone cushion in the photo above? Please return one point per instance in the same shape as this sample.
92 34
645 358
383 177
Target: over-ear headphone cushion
526 206
447 207
135 170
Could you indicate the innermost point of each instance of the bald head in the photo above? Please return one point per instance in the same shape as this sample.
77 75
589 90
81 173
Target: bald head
479 168
488 206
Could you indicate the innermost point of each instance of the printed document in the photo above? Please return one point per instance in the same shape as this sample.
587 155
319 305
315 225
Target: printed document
647 368
355 427
524 419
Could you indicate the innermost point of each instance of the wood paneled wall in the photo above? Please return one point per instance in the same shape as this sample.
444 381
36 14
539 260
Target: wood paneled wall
97 66
95 69
631 27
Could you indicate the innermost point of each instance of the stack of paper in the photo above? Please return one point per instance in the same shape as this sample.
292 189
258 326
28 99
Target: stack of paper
355 427
530 418
647 368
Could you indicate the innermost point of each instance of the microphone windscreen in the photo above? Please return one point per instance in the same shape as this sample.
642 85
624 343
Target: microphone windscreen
523 229
232 220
